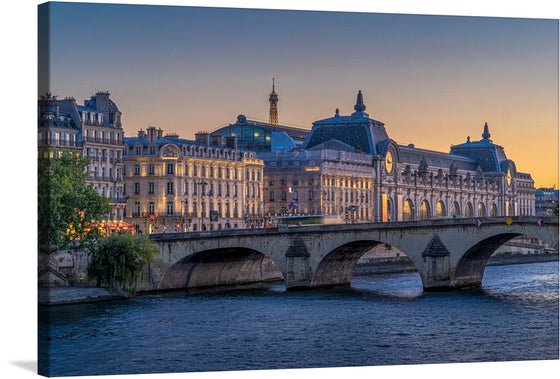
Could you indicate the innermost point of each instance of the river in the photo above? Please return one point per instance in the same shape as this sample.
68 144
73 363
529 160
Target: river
379 320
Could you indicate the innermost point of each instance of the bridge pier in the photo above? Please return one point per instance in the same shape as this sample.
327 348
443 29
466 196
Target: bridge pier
436 275
298 272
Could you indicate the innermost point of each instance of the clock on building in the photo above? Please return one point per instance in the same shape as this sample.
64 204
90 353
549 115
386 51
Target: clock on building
509 175
389 162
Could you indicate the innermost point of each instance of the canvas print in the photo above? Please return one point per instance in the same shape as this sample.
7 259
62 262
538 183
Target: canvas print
243 189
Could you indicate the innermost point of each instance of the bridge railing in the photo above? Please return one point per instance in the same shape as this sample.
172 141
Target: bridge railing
436 223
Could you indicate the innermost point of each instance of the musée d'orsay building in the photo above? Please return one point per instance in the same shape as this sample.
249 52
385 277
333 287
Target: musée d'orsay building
348 166
237 176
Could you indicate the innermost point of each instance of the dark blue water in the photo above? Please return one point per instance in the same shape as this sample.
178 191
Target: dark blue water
380 320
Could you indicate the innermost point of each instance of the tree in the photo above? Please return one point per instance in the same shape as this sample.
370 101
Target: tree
68 208
120 259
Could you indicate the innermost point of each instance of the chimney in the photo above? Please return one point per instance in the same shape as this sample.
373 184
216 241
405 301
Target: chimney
48 105
102 105
231 142
141 134
160 133
152 133
203 138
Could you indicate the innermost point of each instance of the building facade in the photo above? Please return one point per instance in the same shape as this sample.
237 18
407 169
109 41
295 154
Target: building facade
59 129
173 184
93 130
546 202
349 166
102 137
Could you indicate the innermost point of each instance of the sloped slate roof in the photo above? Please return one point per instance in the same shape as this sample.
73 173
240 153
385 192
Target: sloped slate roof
435 159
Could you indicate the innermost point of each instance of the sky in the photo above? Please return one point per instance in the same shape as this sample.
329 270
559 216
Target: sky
433 80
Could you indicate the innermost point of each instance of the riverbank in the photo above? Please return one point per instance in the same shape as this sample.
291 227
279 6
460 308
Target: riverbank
77 295
81 294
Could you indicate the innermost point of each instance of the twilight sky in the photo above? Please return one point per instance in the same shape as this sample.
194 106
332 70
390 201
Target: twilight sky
433 80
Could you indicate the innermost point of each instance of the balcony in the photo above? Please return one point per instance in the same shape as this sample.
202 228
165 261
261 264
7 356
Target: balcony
105 141
60 143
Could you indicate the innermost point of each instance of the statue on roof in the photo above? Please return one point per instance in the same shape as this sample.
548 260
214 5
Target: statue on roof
486 133
360 106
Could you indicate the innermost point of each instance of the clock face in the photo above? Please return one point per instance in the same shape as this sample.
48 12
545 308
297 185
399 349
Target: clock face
389 162
509 177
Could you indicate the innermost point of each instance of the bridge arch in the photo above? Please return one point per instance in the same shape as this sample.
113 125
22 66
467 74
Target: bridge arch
220 267
337 266
469 269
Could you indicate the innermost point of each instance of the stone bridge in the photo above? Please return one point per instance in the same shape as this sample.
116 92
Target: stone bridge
448 253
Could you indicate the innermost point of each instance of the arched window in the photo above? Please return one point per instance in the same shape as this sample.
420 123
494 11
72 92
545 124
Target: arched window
408 210
468 210
481 210
424 210
389 209
493 210
440 209
455 209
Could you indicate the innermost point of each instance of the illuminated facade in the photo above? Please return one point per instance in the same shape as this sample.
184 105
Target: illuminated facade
348 166
59 129
475 179
93 130
102 136
173 184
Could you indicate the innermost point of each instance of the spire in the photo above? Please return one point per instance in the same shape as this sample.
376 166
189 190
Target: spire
359 107
273 109
486 134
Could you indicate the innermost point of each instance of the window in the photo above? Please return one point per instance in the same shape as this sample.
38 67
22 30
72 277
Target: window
195 170
170 188
151 208
137 188
137 169
136 209
170 169
170 208
271 199
151 188
150 169
211 171
152 150
186 188
284 195
138 150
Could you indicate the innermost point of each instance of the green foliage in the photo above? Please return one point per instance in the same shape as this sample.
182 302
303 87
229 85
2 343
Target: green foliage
67 206
120 259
